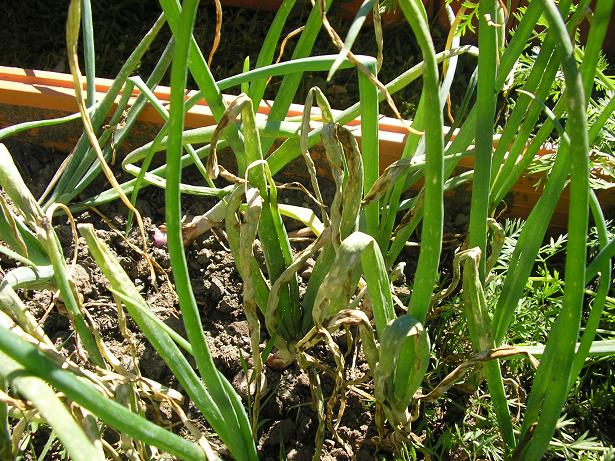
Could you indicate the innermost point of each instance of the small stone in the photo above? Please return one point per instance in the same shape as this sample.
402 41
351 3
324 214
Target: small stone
226 306
217 290
460 220
241 328
81 277
307 273
281 432
300 454
162 257
240 383
336 454
303 380
402 291
204 256
143 268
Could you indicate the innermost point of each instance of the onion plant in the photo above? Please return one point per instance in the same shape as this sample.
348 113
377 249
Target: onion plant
358 236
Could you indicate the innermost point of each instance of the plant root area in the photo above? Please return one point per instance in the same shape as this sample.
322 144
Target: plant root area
287 421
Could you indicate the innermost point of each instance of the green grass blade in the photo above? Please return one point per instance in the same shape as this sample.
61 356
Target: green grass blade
600 348
522 121
20 127
144 309
14 186
89 51
602 119
120 131
83 156
28 277
289 149
266 53
14 255
512 52
479 321
12 305
405 230
481 335
106 140
10 230
595 313
369 107
366 7
529 242
358 253
60 271
607 252
288 88
155 102
433 214
243 445
395 379
563 336
272 234
37 391
410 150
378 286
219 413
232 225
347 169
84 394
5 429
513 170
486 99
159 71
202 76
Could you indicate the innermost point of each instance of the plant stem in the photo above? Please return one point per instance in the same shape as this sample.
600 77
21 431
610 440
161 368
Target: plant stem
433 214
192 322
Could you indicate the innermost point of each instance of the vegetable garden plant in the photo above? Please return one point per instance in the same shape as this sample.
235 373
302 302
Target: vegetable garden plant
358 236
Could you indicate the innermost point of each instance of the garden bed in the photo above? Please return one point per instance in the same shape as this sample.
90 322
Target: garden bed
289 420
350 305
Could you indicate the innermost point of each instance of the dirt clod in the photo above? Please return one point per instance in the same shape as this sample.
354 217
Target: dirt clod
240 328
279 433
216 289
